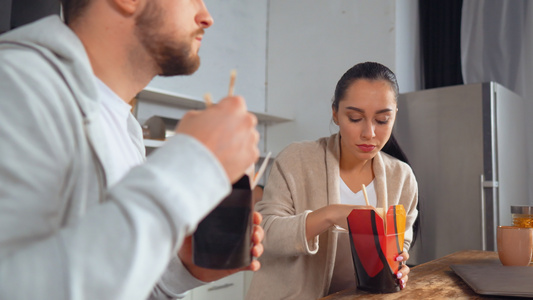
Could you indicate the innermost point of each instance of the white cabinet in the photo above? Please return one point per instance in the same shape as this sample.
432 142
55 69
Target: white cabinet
228 288
247 280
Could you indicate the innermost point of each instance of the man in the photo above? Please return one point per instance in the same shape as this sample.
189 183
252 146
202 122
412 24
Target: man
82 214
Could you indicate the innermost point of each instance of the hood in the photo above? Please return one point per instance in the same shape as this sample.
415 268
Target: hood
60 46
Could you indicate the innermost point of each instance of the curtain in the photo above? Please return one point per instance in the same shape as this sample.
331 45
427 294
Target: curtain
5 15
497 45
440 30
15 13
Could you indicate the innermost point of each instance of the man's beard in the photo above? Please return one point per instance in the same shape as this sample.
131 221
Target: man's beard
172 57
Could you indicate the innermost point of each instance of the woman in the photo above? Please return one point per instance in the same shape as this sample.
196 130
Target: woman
313 186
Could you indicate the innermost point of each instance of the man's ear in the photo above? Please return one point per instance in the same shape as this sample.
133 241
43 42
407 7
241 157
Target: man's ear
128 7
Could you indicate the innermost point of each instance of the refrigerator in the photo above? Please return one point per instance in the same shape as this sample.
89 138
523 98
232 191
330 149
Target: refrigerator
466 145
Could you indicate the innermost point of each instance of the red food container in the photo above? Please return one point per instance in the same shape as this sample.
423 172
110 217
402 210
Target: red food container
375 245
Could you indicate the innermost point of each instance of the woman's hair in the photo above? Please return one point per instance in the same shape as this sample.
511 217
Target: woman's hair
375 71
368 71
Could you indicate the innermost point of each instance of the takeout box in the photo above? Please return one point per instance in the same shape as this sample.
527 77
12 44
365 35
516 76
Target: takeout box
375 243
223 238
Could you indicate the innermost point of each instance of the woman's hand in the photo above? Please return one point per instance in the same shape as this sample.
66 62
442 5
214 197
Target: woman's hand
323 218
339 213
403 273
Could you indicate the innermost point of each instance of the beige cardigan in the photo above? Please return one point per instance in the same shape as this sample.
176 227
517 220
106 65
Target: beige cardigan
305 177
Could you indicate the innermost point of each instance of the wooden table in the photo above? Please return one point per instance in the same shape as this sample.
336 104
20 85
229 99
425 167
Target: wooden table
433 280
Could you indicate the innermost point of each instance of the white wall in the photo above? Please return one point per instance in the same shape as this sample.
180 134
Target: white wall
312 43
237 40
408 55
290 54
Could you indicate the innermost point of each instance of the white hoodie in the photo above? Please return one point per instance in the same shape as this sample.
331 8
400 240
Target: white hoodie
63 233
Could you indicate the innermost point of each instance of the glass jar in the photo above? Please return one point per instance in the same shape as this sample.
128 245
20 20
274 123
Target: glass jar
522 216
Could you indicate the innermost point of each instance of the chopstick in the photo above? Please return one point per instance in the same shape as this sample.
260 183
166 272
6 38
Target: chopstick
366 196
251 170
384 216
232 76
208 100
207 96
261 170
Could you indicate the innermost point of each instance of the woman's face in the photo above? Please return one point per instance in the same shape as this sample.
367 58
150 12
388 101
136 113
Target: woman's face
365 117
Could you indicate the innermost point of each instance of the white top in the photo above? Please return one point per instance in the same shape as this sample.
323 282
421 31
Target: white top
115 113
349 197
344 272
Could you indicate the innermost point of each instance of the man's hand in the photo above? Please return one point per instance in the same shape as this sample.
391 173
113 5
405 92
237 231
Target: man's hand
228 130
208 275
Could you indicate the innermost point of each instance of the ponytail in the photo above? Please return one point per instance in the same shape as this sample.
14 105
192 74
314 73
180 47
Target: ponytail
393 149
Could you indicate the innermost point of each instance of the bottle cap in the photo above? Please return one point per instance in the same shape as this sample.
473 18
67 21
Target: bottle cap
522 209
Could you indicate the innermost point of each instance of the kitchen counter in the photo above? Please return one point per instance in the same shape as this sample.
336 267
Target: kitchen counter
433 280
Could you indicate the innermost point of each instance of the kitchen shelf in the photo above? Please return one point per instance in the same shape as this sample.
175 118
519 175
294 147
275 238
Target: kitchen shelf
154 95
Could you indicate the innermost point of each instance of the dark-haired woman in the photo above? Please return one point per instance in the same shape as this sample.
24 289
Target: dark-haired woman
313 186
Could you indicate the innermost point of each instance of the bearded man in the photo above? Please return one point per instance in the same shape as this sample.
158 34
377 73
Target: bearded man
83 213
